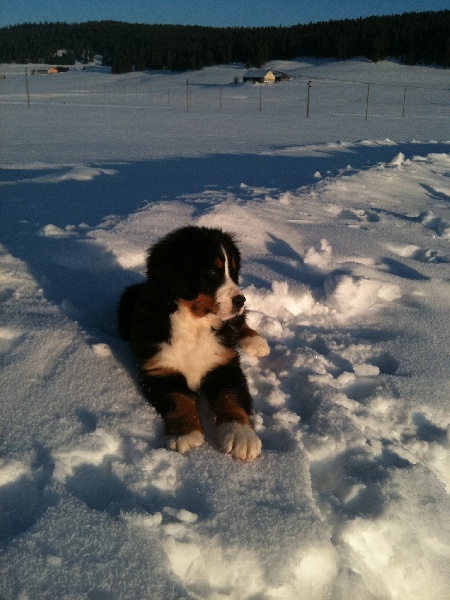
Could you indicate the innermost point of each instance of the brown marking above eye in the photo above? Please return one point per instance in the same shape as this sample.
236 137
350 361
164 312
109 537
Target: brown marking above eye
233 263
218 262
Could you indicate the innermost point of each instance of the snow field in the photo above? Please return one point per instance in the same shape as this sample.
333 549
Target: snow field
346 272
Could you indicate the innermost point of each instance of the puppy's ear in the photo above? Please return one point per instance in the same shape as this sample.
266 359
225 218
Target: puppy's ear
183 280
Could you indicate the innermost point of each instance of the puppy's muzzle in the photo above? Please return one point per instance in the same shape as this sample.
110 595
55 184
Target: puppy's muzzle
238 302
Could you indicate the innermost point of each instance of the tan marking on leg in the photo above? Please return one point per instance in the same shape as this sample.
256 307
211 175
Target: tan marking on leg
228 409
246 331
183 418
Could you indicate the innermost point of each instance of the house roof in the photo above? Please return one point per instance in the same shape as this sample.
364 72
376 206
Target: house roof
261 73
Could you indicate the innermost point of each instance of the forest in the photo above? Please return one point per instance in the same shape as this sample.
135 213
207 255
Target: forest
413 38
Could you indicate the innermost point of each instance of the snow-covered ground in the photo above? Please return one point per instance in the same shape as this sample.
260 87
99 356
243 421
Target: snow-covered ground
344 225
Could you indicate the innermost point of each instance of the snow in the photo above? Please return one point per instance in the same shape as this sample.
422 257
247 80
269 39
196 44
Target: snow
344 227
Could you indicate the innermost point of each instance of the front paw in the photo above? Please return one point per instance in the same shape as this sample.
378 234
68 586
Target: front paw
255 345
239 440
184 443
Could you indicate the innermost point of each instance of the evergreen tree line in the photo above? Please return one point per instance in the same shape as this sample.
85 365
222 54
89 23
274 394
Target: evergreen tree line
413 38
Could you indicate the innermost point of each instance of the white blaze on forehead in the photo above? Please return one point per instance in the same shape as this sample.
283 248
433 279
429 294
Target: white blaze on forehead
227 266
226 293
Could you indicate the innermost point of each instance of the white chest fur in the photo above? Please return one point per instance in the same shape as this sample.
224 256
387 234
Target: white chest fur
194 348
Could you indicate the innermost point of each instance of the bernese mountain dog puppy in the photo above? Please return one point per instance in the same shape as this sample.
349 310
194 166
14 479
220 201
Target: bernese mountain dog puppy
185 324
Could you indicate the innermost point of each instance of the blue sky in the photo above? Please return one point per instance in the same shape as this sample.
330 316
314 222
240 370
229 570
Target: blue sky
207 12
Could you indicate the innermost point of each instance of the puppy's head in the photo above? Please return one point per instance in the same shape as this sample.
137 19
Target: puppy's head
198 267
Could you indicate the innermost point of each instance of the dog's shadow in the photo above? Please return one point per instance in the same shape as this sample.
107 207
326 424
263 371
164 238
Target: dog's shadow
85 282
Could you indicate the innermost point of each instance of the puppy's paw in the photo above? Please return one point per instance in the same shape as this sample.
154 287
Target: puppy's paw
239 440
184 443
255 345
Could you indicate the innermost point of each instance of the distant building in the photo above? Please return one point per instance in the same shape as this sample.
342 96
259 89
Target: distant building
50 71
265 76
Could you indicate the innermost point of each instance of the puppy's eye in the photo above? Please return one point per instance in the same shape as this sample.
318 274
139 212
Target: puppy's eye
212 272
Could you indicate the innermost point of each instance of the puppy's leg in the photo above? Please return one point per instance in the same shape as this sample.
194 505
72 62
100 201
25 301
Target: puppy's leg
176 404
250 341
227 392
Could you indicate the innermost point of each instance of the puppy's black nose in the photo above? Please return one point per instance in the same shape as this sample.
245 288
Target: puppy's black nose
238 301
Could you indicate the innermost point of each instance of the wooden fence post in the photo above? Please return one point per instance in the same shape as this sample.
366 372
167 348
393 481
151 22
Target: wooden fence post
307 103
367 100
187 95
26 85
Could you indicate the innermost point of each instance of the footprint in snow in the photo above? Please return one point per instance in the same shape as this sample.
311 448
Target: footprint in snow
24 496
425 255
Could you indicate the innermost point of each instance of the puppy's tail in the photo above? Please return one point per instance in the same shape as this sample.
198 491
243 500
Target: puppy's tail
126 307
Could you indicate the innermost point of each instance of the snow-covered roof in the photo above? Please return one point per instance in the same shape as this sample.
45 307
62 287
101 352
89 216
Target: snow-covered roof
263 73
259 73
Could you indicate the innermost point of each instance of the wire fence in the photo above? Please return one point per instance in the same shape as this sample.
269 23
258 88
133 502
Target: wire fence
311 97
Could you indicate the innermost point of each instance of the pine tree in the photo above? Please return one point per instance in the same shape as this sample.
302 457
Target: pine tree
412 37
